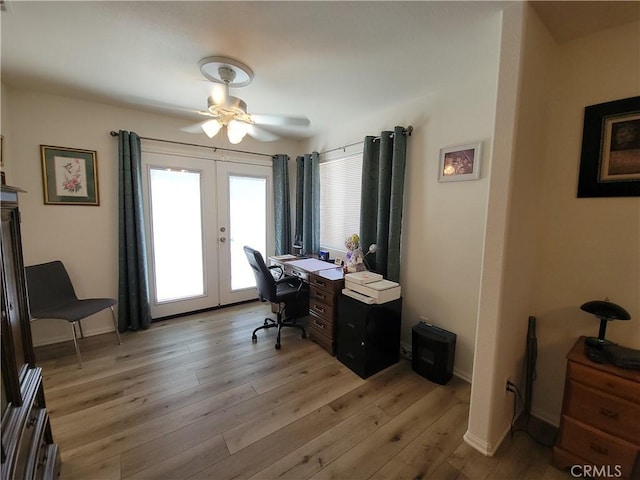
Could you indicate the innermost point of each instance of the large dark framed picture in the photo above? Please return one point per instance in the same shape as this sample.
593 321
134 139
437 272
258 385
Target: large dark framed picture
69 176
610 160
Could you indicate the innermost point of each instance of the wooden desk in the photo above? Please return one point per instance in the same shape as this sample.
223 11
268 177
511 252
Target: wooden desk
325 285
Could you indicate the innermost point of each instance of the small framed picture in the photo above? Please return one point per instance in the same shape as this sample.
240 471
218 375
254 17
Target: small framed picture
460 163
610 157
69 176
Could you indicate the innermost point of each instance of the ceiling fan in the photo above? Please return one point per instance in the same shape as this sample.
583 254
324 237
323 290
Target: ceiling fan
229 112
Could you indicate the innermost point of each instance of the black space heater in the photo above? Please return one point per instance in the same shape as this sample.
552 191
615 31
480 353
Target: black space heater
432 352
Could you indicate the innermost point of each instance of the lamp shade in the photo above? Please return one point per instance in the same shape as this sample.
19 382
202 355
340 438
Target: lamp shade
211 127
605 310
236 131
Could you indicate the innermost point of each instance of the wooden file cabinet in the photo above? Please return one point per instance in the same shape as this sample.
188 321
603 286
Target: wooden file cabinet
324 288
368 335
600 423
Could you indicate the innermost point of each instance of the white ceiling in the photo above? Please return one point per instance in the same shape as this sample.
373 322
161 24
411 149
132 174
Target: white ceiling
319 59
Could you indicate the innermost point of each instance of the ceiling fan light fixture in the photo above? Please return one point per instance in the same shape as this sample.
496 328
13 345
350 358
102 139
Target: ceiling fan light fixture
211 128
236 131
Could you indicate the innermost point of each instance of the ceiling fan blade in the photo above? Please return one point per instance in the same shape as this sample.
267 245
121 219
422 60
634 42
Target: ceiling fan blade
195 128
261 134
280 120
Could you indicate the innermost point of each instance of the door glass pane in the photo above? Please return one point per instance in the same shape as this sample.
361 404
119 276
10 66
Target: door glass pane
247 225
176 220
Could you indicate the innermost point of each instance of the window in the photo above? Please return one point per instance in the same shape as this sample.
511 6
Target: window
340 186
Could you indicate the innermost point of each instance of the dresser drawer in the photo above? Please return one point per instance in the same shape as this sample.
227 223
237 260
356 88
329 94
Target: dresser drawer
321 283
321 309
611 384
317 294
597 447
321 325
321 332
613 415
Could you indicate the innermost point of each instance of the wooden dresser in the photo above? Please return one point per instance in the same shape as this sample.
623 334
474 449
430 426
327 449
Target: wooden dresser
28 451
324 288
600 423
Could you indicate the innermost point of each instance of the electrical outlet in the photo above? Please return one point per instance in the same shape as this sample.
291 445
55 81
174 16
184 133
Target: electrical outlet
405 351
511 387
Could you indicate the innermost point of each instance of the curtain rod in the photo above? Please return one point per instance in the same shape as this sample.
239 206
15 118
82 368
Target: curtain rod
406 131
113 133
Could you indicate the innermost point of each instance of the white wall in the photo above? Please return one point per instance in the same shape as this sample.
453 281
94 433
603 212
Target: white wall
84 237
546 251
589 248
443 223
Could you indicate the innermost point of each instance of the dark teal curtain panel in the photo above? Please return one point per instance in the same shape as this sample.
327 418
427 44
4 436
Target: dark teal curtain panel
308 202
282 204
383 167
134 311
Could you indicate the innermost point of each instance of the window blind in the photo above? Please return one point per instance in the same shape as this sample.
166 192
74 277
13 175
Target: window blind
340 187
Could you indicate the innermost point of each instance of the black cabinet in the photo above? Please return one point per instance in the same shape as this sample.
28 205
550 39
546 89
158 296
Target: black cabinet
28 451
368 336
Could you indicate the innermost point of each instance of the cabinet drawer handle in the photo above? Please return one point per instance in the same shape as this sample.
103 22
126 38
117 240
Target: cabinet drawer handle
608 413
320 283
320 295
317 323
350 325
319 309
599 449
350 355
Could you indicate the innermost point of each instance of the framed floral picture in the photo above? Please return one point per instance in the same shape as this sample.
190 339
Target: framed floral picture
69 176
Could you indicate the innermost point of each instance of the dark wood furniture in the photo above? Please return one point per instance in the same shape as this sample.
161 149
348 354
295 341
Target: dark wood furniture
28 451
600 423
324 288
368 335
325 285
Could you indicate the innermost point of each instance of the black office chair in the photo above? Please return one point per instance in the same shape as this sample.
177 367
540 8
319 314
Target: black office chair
51 295
290 294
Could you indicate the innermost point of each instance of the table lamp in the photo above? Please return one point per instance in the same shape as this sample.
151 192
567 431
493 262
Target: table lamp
605 311
373 248
297 245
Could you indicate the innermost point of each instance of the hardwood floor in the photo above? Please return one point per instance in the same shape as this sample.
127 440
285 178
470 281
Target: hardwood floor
194 398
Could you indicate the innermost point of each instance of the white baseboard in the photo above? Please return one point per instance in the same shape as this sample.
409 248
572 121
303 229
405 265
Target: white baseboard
478 444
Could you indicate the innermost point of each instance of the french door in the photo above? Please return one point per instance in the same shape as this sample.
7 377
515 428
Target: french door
199 213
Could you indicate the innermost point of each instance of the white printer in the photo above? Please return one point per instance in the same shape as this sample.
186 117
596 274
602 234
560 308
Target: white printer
370 288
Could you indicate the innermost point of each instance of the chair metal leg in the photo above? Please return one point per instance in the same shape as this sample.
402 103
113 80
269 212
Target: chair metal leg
75 343
115 324
81 332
